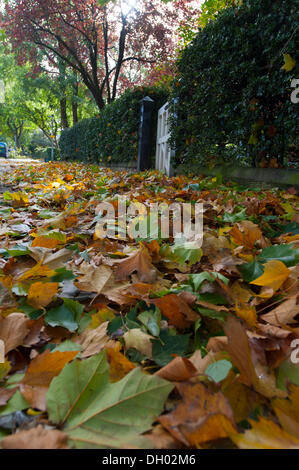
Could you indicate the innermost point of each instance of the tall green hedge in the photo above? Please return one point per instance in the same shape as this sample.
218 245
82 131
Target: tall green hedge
111 137
234 96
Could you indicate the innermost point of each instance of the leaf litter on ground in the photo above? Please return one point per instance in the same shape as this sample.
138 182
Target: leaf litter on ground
130 343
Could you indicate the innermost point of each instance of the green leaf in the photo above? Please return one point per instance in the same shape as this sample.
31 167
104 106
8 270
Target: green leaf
284 253
16 403
19 250
232 218
187 252
251 271
287 370
62 316
151 320
67 345
207 312
62 275
167 345
198 279
218 370
98 414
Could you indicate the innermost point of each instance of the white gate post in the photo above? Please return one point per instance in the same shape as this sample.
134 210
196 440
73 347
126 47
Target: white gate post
163 151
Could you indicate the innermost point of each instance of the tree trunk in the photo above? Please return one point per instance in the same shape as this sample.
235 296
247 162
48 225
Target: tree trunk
63 114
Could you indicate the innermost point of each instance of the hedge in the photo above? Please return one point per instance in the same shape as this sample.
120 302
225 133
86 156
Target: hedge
112 136
233 95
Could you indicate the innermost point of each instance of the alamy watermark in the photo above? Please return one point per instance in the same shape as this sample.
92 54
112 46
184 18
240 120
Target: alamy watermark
295 93
123 218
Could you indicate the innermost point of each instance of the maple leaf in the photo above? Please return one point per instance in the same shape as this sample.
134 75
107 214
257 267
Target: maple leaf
140 262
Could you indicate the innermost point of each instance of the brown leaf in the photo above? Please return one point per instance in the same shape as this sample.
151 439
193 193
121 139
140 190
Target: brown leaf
247 235
93 341
284 314
13 330
94 278
140 262
178 370
176 310
201 416
36 438
162 439
238 348
6 394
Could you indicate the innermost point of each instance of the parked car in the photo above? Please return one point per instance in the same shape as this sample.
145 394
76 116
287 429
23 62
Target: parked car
3 150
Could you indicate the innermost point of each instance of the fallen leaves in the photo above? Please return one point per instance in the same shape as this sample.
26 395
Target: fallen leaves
40 373
36 438
202 416
139 262
107 337
274 275
13 330
41 294
176 310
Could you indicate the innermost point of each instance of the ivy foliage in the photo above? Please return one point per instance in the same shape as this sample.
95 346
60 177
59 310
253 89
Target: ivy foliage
112 136
234 87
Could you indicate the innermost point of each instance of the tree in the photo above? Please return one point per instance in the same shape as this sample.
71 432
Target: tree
102 42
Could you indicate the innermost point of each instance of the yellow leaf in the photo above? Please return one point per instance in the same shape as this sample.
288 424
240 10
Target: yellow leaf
41 294
247 313
36 271
265 434
289 63
274 275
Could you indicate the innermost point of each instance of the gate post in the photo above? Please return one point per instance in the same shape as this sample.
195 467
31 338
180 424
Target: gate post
145 134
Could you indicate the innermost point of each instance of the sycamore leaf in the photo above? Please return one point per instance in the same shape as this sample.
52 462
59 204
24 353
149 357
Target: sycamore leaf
176 310
140 262
274 275
284 253
40 373
13 330
137 339
36 438
265 434
97 414
200 417
289 63
41 294
218 370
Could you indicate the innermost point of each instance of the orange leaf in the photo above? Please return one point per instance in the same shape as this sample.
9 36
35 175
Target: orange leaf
176 310
119 364
40 373
46 242
41 294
